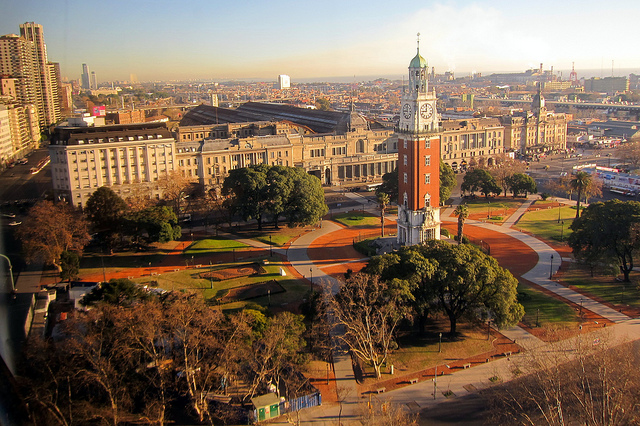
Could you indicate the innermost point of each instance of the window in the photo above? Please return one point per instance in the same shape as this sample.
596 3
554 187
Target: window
427 144
405 144
427 160
404 177
427 178
404 159
405 200
427 200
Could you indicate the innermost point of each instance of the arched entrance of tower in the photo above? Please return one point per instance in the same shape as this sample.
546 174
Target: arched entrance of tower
327 176
490 162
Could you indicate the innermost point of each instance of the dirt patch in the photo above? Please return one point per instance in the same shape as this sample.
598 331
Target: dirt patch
233 272
252 291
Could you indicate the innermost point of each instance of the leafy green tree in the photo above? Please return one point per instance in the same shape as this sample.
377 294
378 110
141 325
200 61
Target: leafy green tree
247 191
521 183
447 182
70 264
459 280
118 291
609 230
306 204
159 222
105 210
462 211
390 185
323 104
480 180
579 183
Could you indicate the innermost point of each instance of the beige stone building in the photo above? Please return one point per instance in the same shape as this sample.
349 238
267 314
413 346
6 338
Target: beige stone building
122 157
535 132
469 142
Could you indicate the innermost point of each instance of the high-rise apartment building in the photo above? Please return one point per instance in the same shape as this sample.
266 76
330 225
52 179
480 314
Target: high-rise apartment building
284 82
47 81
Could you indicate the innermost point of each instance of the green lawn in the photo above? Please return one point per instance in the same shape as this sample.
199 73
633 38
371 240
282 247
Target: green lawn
206 247
544 223
357 219
546 309
189 280
606 288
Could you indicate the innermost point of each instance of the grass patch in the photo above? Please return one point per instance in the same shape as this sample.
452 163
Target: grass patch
189 280
213 245
544 223
279 237
493 206
604 287
357 219
546 309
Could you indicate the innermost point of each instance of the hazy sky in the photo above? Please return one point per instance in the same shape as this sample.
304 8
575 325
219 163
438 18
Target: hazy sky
212 39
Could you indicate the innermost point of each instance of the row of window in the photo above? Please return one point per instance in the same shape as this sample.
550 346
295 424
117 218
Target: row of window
427 178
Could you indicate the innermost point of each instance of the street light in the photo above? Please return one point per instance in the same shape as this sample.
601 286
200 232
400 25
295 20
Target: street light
551 271
270 247
311 280
13 286
440 342
562 232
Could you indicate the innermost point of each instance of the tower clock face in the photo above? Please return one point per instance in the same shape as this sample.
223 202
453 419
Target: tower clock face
406 111
426 111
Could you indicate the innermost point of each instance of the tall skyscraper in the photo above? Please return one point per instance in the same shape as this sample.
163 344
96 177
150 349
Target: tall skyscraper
418 159
46 78
86 84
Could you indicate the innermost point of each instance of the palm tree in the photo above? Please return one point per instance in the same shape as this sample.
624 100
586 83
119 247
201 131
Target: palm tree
462 211
579 184
383 202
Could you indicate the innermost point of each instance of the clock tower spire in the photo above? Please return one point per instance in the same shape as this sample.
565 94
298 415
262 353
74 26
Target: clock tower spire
418 158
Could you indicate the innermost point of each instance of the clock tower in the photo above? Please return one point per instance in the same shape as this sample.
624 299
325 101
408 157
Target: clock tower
418 159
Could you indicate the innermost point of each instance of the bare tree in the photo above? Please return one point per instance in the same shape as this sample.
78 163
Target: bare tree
369 313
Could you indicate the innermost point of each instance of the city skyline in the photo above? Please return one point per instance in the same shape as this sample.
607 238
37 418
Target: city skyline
201 40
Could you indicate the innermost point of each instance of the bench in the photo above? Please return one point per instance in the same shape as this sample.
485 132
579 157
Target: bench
380 390
413 381
507 354
467 365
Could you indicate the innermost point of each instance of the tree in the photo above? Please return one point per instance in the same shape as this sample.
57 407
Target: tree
390 185
175 186
579 183
50 229
505 167
70 264
609 230
383 201
105 210
462 211
520 183
447 182
118 292
323 104
460 280
262 190
480 180
369 313
594 189
630 153
159 222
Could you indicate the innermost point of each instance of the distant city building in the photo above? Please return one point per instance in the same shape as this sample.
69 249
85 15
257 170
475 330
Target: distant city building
94 81
535 132
284 82
214 100
133 79
418 159
125 116
122 157
609 85
85 79
6 147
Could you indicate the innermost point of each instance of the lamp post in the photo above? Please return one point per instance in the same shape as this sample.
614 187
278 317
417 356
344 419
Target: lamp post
559 212
489 210
538 317
440 342
562 232
13 286
435 382
551 270
488 329
270 247
311 280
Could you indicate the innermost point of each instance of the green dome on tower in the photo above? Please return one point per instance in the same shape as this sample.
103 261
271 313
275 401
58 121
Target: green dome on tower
418 61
